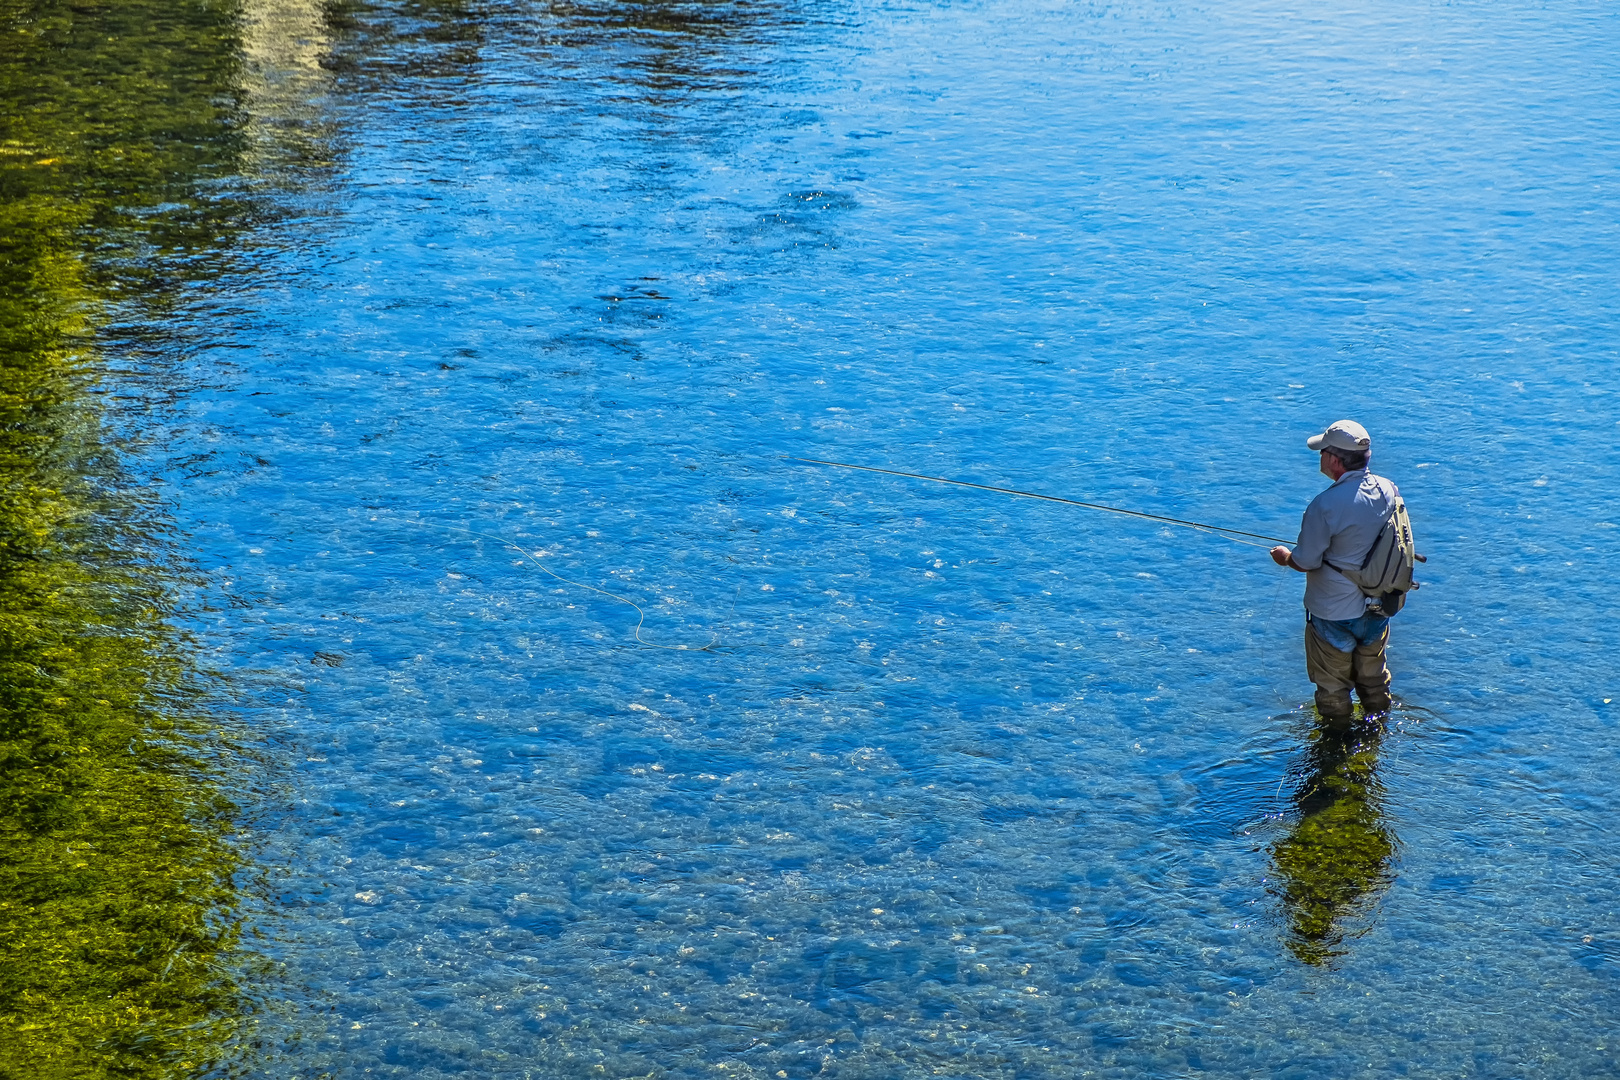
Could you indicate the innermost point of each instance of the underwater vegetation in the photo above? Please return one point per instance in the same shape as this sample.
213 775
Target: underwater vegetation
1336 858
118 934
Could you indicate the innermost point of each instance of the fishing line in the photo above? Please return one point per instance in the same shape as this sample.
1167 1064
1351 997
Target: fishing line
531 557
1237 536
1214 530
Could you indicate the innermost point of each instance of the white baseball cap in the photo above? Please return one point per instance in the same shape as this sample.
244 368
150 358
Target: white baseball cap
1342 435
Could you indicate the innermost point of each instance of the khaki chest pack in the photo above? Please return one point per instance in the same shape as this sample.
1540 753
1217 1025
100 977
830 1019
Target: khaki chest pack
1386 573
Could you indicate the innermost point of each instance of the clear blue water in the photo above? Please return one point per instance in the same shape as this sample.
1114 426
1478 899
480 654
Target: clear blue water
967 785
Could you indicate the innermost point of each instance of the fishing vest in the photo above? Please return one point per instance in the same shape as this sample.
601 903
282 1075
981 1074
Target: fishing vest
1385 574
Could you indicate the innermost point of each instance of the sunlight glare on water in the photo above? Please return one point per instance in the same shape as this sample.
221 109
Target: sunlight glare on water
967 785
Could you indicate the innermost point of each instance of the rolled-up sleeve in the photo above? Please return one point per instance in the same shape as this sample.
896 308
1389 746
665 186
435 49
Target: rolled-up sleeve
1315 534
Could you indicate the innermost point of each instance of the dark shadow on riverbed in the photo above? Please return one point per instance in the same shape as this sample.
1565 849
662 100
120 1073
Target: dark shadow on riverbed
1336 859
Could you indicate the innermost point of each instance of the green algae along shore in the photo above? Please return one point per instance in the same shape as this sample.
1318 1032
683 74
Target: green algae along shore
118 925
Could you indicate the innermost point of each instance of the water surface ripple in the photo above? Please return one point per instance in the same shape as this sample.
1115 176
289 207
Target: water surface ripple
969 785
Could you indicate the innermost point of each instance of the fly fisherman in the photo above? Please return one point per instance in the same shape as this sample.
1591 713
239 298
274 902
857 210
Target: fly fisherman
1344 640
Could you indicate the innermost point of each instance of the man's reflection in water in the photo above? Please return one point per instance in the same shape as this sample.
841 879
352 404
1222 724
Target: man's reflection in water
1336 858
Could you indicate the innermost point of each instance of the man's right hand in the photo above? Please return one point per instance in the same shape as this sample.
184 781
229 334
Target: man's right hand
1280 555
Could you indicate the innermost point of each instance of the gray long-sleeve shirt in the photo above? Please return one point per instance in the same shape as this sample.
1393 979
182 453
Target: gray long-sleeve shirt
1339 527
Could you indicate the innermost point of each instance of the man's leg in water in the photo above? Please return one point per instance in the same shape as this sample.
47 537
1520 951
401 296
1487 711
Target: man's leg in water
1372 674
1332 672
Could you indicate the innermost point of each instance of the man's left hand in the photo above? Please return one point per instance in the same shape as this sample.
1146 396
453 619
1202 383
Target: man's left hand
1280 555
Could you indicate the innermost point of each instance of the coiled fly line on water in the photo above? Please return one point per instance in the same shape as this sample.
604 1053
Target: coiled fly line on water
534 560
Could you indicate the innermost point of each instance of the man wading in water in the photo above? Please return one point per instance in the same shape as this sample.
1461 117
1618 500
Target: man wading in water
1344 641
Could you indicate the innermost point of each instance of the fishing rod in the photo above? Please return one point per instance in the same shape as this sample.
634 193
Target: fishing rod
1218 530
